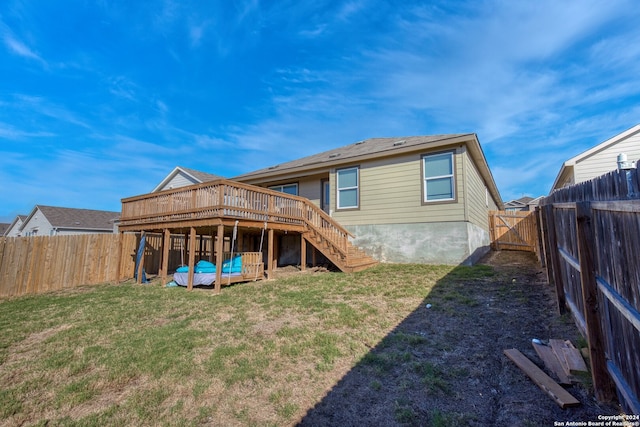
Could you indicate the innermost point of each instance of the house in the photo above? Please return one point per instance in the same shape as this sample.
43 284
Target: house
416 199
520 204
14 228
181 177
600 159
52 221
4 226
523 204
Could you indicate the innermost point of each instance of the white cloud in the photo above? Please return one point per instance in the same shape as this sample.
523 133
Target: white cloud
17 46
8 131
42 106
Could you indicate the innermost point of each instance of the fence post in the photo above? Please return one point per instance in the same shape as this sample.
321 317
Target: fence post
119 242
492 230
541 250
604 387
553 260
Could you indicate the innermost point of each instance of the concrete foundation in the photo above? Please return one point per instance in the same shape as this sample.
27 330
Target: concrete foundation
450 243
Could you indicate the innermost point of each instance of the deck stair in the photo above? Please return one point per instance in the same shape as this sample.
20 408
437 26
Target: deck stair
348 258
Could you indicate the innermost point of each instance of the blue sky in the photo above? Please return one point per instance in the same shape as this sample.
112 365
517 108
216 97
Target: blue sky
100 100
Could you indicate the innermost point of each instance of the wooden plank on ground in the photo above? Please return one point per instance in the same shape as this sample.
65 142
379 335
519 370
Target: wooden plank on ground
574 358
558 347
561 396
552 362
570 357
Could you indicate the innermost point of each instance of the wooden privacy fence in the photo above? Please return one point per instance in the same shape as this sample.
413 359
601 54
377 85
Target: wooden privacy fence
591 235
33 265
513 231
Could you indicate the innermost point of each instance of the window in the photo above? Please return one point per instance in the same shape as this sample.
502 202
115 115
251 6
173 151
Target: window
286 188
439 180
347 188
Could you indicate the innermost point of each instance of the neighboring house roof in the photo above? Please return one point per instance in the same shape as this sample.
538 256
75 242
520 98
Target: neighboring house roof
535 202
78 219
377 148
518 203
4 226
196 176
525 203
568 166
15 224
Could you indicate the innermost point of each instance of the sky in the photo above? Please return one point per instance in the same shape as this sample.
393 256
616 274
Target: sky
101 99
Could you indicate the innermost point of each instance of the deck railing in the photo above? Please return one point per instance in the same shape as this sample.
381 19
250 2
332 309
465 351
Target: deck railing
232 200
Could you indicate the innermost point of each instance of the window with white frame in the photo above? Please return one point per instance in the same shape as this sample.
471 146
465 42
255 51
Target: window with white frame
347 188
439 182
286 188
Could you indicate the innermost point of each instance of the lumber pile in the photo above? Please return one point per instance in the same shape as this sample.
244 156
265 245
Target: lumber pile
561 359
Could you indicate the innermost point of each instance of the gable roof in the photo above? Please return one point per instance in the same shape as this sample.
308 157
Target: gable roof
196 175
521 202
4 226
368 148
567 166
17 222
377 148
72 218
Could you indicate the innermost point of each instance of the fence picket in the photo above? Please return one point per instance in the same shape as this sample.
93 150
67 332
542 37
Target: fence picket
592 231
603 386
513 231
33 265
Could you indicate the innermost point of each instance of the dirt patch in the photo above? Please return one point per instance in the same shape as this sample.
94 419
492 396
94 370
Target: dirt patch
29 346
444 365
292 270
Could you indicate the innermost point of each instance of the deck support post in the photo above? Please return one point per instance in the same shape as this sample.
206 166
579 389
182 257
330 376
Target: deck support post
192 257
201 251
303 252
270 260
219 247
166 243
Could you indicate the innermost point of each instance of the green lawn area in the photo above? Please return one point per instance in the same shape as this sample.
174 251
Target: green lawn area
260 353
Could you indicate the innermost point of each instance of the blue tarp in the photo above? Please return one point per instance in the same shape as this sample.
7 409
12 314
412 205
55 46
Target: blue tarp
139 256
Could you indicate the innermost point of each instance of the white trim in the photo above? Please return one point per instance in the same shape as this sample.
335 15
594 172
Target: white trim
451 176
171 175
356 187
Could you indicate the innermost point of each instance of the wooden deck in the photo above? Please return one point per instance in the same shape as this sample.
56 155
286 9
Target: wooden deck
223 205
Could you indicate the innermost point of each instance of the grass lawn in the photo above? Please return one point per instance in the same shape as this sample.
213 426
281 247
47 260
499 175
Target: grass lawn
259 353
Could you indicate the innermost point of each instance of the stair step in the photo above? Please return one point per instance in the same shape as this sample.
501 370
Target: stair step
351 259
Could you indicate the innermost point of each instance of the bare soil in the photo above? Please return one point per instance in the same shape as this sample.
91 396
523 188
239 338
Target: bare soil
444 365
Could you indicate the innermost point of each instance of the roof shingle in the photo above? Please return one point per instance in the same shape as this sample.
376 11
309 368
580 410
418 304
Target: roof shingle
86 219
368 147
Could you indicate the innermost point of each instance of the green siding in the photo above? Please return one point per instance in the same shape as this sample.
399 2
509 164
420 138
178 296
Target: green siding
391 193
478 211
309 187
